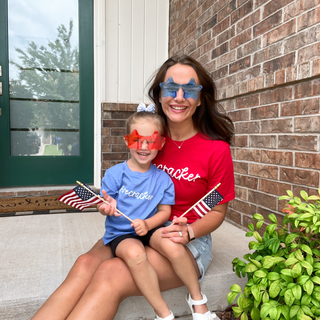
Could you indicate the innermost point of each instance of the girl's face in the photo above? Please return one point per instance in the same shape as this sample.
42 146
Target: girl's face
141 158
180 108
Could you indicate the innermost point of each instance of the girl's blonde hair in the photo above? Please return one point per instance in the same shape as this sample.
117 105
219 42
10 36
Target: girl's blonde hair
148 116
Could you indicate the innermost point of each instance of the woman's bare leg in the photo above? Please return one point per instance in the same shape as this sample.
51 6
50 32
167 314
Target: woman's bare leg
62 301
183 265
132 251
113 282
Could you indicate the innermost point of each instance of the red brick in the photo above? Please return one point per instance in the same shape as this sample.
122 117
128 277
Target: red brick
251 85
279 63
209 24
244 206
280 77
276 125
239 65
240 141
262 199
220 50
207 4
310 191
113 123
304 89
274 6
308 4
265 112
233 216
274 187
119 148
241 12
309 19
248 74
246 181
301 177
241 193
309 53
249 21
266 213
295 142
239 115
221 26
205 16
269 80
279 33
112 140
193 12
291 11
226 35
307 160
249 48
260 170
106 148
263 142
204 38
115 156
240 167
247 101
243 87
276 95
291 74
260 56
232 5
247 127
300 107
222 3
267 24
284 158
307 124
240 39
259 82
248 154
118 132
105 131
316 67
226 58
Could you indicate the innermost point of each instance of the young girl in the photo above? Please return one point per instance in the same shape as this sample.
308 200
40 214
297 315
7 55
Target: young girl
144 193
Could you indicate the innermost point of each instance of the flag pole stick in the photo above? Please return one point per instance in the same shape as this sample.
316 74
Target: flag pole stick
198 201
96 195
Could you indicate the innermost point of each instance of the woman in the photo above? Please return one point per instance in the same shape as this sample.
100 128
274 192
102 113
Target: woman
97 282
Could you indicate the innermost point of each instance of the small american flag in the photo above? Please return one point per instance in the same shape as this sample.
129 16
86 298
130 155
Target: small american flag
208 203
80 198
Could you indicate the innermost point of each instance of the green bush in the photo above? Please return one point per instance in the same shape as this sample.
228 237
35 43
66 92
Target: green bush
283 271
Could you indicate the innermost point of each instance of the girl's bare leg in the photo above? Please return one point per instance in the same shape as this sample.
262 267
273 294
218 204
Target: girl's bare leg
63 300
132 251
182 263
113 282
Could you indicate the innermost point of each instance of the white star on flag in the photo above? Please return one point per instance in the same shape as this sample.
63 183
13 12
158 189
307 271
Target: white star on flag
208 203
80 198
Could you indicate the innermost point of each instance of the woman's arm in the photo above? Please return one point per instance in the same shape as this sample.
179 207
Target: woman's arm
201 227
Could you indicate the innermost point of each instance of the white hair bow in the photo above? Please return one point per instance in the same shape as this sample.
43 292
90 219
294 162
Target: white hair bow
150 108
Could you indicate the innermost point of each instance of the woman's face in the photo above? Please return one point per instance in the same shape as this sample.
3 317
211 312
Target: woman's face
180 107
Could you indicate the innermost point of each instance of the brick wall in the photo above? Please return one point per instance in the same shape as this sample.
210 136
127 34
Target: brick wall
265 59
113 149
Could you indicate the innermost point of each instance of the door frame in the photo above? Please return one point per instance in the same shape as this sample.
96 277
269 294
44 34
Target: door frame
19 166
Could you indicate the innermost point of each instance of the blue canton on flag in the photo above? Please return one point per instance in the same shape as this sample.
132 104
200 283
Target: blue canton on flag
80 198
208 203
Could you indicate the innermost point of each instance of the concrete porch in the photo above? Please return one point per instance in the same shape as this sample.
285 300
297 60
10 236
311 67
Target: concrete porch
37 251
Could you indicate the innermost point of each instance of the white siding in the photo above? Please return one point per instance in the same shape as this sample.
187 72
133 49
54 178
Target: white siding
136 45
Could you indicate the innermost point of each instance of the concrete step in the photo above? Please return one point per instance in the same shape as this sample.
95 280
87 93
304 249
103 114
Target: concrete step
37 251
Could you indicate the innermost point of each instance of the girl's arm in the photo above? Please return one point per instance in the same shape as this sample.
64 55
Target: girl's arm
141 227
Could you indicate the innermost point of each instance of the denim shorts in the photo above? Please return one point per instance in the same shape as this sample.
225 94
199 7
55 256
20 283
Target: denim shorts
201 249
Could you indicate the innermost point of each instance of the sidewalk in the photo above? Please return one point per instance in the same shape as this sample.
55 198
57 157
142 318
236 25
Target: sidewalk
37 251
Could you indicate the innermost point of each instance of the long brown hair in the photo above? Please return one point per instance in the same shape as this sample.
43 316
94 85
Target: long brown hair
207 118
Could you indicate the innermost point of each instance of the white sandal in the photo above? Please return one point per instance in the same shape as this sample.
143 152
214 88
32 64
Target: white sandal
199 316
169 317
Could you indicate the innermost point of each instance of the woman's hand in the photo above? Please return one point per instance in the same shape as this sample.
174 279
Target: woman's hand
140 227
178 232
108 209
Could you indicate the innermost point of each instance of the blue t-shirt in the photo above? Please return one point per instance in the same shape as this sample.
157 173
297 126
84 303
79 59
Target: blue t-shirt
137 195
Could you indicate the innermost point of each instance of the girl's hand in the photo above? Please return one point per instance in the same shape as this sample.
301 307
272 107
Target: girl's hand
106 209
140 227
178 232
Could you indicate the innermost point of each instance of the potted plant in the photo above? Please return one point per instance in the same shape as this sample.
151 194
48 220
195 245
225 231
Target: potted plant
283 271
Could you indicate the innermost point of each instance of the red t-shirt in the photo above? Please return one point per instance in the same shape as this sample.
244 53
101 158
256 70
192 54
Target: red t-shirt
195 169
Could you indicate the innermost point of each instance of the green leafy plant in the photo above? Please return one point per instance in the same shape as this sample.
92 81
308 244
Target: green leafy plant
283 271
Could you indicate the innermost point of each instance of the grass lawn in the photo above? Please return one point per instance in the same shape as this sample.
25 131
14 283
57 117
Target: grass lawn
51 150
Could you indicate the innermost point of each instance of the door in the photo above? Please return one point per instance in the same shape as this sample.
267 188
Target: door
46 93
